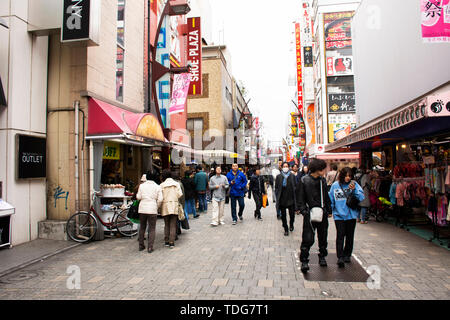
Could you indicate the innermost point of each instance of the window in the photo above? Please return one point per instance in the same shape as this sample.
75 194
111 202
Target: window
194 124
119 74
229 95
120 49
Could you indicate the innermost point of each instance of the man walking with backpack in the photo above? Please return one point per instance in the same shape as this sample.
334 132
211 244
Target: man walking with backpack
312 196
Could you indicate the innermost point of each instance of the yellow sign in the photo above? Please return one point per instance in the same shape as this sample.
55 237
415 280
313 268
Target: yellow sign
111 151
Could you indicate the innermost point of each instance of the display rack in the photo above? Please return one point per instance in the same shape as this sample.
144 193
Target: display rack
105 214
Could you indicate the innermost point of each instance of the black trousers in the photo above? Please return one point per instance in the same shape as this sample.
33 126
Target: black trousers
284 217
258 202
150 220
345 233
308 237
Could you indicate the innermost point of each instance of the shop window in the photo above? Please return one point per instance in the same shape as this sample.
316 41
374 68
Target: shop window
120 49
195 124
343 84
119 74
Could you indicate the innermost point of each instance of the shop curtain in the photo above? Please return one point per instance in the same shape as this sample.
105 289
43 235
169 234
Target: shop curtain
98 159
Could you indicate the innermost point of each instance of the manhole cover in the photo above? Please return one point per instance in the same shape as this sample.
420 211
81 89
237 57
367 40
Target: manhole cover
20 276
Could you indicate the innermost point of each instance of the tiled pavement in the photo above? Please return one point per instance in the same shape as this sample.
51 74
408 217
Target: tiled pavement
252 260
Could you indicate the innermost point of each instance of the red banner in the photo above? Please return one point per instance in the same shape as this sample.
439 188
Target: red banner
194 55
299 69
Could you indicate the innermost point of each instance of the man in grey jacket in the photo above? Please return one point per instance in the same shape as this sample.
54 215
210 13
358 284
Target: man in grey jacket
218 184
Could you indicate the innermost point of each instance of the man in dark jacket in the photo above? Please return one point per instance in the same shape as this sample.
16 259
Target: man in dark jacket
285 190
257 189
189 193
310 195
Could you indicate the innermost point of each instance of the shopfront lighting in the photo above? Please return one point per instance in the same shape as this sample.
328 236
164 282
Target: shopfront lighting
403 146
178 9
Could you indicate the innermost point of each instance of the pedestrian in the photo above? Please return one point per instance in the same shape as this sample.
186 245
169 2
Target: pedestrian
286 197
366 185
275 172
170 207
345 194
304 171
182 201
201 184
238 188
257 189
218 185
312 193
296 173
189 193
151 198
332 176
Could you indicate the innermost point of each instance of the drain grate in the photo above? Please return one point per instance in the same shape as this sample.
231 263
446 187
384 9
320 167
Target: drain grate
353 272
20 276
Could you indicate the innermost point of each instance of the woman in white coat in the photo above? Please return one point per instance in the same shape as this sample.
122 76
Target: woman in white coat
172 192
151 198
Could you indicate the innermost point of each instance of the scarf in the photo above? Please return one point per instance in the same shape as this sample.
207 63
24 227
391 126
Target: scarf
285 177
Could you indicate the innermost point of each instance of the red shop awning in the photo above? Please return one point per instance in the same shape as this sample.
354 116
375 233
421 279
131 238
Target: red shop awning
106 120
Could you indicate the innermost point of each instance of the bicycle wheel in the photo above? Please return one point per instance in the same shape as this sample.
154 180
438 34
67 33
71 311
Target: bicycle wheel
124 225
81 227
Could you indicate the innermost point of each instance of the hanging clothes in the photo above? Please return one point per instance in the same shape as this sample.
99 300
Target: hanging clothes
447 178
392 190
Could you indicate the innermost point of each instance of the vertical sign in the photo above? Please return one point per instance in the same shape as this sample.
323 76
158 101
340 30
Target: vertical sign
163 84
194 55
179 93
299 69
435 20
75 24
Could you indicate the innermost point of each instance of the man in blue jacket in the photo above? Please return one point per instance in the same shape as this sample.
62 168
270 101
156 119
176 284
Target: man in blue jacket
238 184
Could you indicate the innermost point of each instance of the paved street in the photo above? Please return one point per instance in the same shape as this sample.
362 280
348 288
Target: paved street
252 260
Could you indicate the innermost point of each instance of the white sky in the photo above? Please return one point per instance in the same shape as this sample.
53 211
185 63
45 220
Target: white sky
257 33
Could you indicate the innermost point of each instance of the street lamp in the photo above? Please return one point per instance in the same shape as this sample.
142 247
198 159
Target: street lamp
178 8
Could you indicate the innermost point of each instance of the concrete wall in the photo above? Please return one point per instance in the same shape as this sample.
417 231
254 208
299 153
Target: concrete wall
23 68
392 64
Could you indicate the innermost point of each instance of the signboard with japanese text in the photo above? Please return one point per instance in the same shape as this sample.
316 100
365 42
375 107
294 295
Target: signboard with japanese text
341 103
340 66
294 124
338 131
435 20
111 150
330 45
31 157
308 57
163 83
299 69
338 26
179 92
194 55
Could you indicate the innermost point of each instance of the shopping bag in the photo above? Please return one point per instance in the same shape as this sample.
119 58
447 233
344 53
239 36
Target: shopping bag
185 224
264 200
133 211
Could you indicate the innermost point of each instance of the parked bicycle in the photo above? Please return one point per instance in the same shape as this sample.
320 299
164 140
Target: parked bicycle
82 226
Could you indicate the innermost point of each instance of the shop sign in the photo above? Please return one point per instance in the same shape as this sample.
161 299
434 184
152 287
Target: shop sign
307 55
311 125
76 16
194 55
163 84
338 44
338 131
435 20
439 105
339 66
179 92
299 69
341 103
31 157
111 151
338 26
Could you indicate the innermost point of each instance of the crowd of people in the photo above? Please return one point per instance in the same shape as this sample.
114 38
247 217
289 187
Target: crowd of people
308 192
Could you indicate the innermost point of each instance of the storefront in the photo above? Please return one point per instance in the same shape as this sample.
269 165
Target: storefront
124 146
409 148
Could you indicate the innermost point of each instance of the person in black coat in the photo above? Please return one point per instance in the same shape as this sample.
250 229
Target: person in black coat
311 195
258 190
285 188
